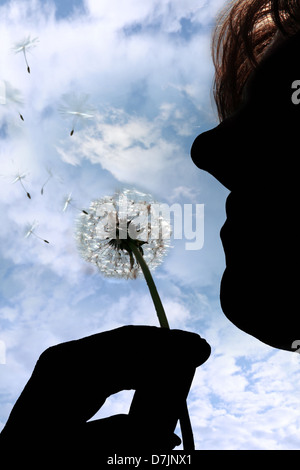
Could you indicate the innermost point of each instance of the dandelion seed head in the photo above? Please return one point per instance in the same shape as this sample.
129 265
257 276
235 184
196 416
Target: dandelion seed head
102 233
20 177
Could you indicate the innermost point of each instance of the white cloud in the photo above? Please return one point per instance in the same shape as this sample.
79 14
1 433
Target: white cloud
165 12
132 148
228 412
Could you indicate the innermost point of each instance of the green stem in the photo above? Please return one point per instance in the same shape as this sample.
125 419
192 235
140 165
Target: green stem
162 318
185 423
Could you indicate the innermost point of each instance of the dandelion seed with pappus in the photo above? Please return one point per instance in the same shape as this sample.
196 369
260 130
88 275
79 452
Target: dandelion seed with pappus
24 46
19 178
30 230
76 108
50 175
11 98
68 201
124 238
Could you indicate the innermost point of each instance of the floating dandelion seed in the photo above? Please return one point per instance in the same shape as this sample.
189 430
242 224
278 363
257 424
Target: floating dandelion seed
11 97
76 108
19 177
68 201
30 230
51 175
25 45
124 237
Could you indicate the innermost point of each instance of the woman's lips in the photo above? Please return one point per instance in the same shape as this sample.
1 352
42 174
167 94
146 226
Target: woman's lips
232 232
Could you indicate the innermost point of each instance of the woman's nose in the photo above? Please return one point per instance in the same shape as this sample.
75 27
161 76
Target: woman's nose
231 151
218 151
207 155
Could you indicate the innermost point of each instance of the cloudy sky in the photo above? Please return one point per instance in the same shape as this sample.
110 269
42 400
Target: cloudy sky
143 70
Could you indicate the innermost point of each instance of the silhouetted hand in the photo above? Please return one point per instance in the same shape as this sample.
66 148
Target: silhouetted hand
72 380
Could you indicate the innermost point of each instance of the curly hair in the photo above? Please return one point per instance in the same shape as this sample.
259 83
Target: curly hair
245 30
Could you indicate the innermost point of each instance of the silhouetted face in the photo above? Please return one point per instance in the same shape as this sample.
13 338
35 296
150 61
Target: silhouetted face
255 154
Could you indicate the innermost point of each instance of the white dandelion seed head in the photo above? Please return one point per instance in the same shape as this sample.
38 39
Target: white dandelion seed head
102 233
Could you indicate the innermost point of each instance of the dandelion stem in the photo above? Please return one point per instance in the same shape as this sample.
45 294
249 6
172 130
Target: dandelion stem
186 429
185 423
163 321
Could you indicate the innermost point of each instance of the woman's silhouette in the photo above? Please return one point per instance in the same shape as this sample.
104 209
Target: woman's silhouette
254 153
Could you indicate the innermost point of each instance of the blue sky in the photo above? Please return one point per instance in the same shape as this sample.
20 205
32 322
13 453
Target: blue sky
147 70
